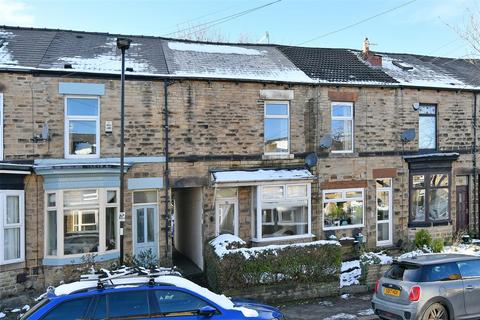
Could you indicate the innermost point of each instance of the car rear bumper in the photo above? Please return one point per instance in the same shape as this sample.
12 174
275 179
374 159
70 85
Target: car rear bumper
394 311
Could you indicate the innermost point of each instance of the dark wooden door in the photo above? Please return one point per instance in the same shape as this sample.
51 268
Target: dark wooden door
462 208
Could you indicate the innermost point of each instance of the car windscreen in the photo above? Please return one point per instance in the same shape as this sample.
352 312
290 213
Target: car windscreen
34 309
404 272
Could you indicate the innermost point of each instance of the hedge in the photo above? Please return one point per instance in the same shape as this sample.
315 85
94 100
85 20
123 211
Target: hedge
238 268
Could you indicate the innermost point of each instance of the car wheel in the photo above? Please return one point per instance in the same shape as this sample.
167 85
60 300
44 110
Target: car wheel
435 312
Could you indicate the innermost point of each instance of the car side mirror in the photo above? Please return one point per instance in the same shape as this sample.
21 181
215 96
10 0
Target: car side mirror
207 311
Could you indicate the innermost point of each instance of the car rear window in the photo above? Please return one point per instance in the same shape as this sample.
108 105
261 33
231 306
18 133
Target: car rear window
404 272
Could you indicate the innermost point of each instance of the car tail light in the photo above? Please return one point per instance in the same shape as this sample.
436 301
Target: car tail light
414 293
377 286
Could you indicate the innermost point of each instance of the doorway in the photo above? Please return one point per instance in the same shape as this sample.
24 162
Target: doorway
463 203
187 230
384 212
145 222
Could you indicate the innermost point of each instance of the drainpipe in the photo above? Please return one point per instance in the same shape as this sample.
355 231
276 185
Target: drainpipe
167 170
474 161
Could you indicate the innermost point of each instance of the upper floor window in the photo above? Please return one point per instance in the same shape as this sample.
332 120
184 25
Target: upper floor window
342 126
82 127
1 126
427 127
277 127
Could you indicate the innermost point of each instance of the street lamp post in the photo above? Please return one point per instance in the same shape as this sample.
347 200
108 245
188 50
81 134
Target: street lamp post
123 44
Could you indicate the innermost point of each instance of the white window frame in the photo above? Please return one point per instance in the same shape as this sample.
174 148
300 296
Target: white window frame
226 200
287 116
3 224
259 220
344 199
343 118
81 118
390 213
1 126
59 207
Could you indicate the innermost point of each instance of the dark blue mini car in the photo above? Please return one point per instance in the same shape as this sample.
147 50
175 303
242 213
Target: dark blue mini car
144 298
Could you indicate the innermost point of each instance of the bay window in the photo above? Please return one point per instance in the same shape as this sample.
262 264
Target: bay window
343 209
81 221
429 198
12 226
282 211
82 127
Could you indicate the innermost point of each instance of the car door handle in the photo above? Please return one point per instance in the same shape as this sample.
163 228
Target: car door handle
469 287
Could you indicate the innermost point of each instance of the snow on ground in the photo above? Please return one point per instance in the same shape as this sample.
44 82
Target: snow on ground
341 316
351 271
376 258
462 248
2 315
222 243
366 312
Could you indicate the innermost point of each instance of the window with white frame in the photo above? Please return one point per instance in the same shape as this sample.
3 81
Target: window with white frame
81 221
82 127
427 127
343 208
1 126
277 127
226 211
12 226
282 211
342 127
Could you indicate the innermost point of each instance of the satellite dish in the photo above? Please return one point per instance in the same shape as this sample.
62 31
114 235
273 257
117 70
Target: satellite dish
45 131
326 142
311 159
408 135
416 106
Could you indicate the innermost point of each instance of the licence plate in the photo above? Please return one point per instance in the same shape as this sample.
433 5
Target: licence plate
391 292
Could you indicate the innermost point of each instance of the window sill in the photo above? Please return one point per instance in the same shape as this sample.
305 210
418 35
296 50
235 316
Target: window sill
277 156
77 258
429 224
353 226
273 239
12 265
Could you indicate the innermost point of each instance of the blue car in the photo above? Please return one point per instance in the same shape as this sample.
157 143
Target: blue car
144 298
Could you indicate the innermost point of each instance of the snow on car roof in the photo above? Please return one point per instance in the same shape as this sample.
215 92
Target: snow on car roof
176 281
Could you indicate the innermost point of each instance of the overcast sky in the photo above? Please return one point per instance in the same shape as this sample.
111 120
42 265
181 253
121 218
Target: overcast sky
416 26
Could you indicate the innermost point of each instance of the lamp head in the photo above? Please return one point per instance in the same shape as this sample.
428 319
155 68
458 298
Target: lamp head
123 43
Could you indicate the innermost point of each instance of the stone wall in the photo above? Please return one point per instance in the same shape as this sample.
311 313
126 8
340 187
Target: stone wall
30 101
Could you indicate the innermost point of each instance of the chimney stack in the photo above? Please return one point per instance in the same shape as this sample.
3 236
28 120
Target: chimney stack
370 57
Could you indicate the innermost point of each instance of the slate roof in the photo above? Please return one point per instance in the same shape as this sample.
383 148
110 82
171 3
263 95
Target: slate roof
228 61
85 51
334 65
91 52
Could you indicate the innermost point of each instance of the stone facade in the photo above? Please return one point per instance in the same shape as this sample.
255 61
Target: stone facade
219 125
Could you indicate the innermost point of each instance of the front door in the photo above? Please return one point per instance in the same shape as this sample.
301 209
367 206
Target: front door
462 208
384 212
145 227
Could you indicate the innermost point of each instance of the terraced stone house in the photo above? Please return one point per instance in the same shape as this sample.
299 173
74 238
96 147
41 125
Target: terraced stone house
274 144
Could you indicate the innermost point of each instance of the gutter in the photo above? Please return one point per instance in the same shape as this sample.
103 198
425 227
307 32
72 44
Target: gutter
474 161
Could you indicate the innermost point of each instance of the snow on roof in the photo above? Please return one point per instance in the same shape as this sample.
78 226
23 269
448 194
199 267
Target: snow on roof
231 62
415 72
213 48
5 54
261 175
109 60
